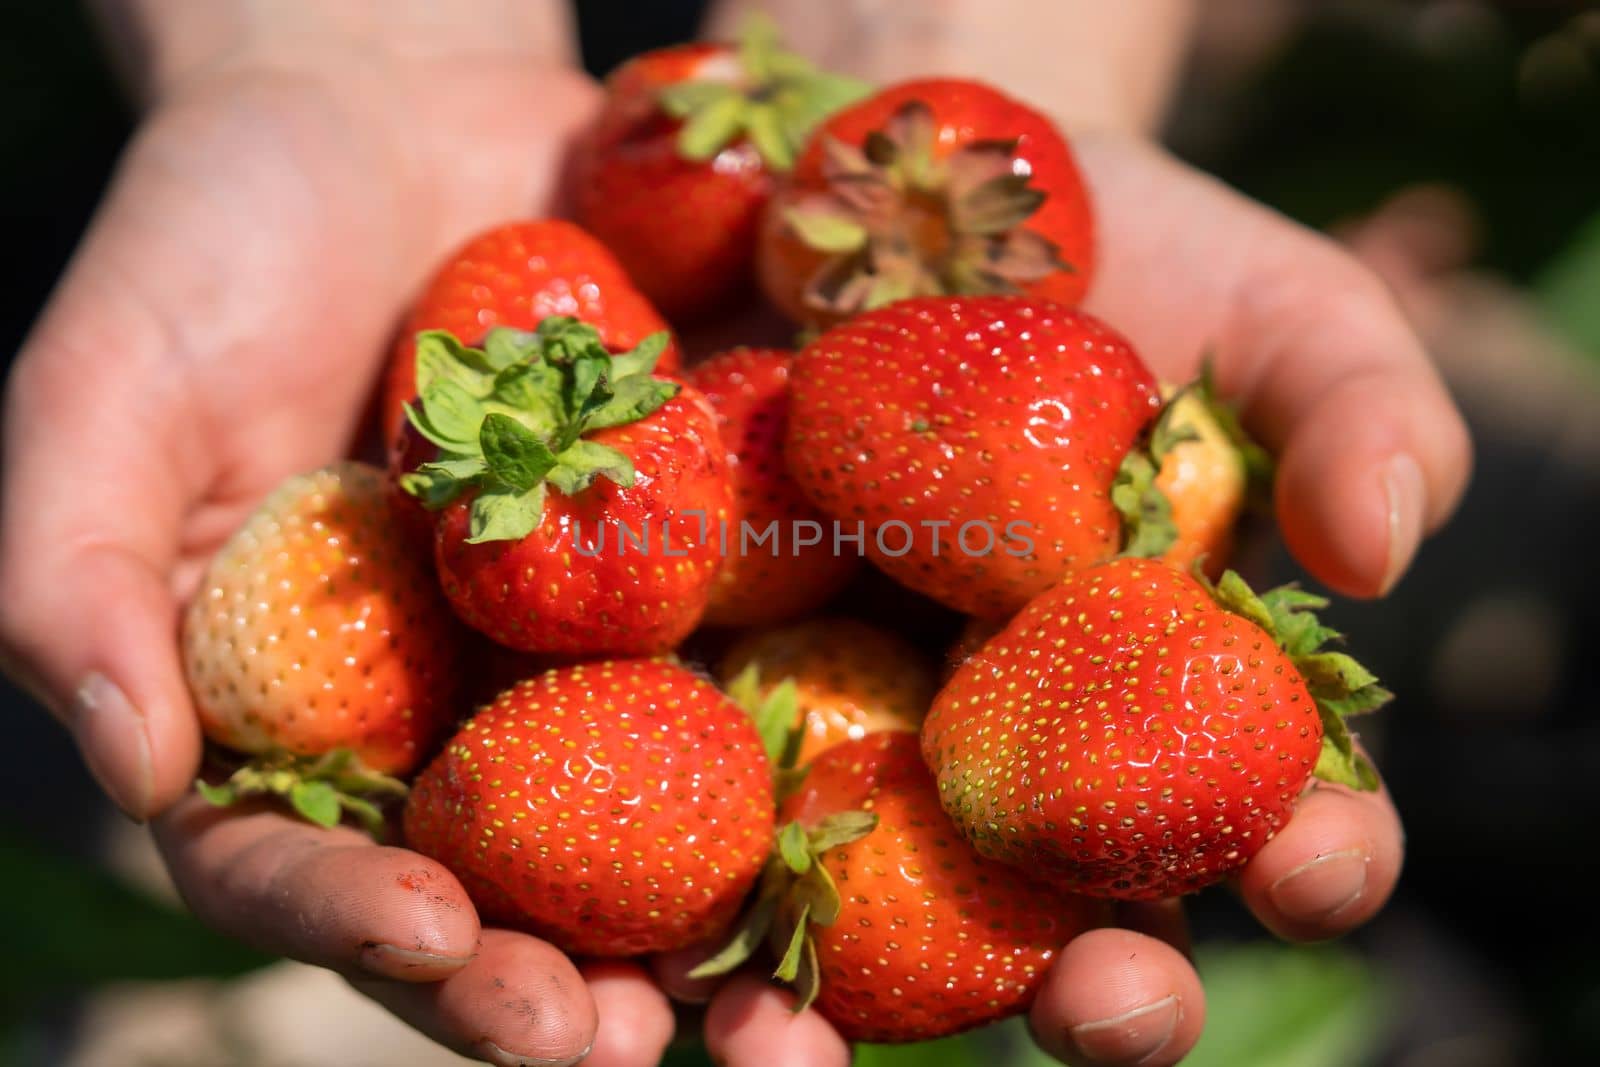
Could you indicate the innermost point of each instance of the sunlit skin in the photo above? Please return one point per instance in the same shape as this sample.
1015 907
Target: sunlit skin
257 246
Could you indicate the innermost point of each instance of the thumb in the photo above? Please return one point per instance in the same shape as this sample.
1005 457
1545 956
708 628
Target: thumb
90 507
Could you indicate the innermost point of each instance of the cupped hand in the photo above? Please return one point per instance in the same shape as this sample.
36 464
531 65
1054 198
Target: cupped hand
219 329
1372 456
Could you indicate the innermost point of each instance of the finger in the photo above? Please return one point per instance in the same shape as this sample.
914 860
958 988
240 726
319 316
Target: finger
1372 452
1119 997
636 1021
519 1003
671 971
752 1023
1164 920
1330 869
329 897
87 613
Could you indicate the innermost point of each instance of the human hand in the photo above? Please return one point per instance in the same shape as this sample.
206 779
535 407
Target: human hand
1372 455
220 329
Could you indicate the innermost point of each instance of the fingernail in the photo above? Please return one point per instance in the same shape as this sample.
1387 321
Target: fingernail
388 959
115 743
1132 1037
1323 887
1406 493
501 1058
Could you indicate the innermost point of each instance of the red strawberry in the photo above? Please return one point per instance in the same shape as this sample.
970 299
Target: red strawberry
317 629
1004 419
519 274
576 494
898 929
782 576
1135 734
930 187
848 679
614 808
675 173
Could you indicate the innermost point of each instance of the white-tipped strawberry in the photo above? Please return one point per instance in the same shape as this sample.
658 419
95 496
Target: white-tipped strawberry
319 644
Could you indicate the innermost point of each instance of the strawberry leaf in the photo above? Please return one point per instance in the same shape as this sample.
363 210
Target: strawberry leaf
789 965
584 461
632 400
505 515
1147 526
316 802
509 419
220 796
747 938
514 456
794 847
1338 683
840 828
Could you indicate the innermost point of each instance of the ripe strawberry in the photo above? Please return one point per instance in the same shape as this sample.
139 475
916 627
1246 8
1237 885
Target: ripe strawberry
576 493
1136 734
614 808
884 915
675 173
930 187
783 575
317 635
978 437
518 274
848 679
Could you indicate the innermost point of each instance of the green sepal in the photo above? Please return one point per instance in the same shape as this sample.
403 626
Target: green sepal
1147 526
775 103
320 789
789 966
840 828
826 230
796 894
509 419
505 515
786 782
794 847
1338 683
747 938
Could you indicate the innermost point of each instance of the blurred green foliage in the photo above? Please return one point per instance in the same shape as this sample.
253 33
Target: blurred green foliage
1568 289
76 927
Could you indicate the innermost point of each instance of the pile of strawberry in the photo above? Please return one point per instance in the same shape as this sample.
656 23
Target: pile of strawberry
576 518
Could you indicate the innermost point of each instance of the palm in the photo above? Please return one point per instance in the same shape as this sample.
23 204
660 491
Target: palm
295 231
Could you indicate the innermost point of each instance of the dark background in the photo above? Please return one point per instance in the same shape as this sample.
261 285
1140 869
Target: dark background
1493 751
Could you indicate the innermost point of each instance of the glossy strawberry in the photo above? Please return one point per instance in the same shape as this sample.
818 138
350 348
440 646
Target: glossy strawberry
518 274
576 494
781 559
614 808
886 917
317 629
849 679
1136 734
935 186
978 437
676 171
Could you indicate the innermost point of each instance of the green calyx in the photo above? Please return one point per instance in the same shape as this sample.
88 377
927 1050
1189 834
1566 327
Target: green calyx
776 101
897 221
796 894
776 716
320 789
1147 525
1341 686
509 419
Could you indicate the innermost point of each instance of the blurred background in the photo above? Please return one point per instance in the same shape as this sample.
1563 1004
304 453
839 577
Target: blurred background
1455 146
